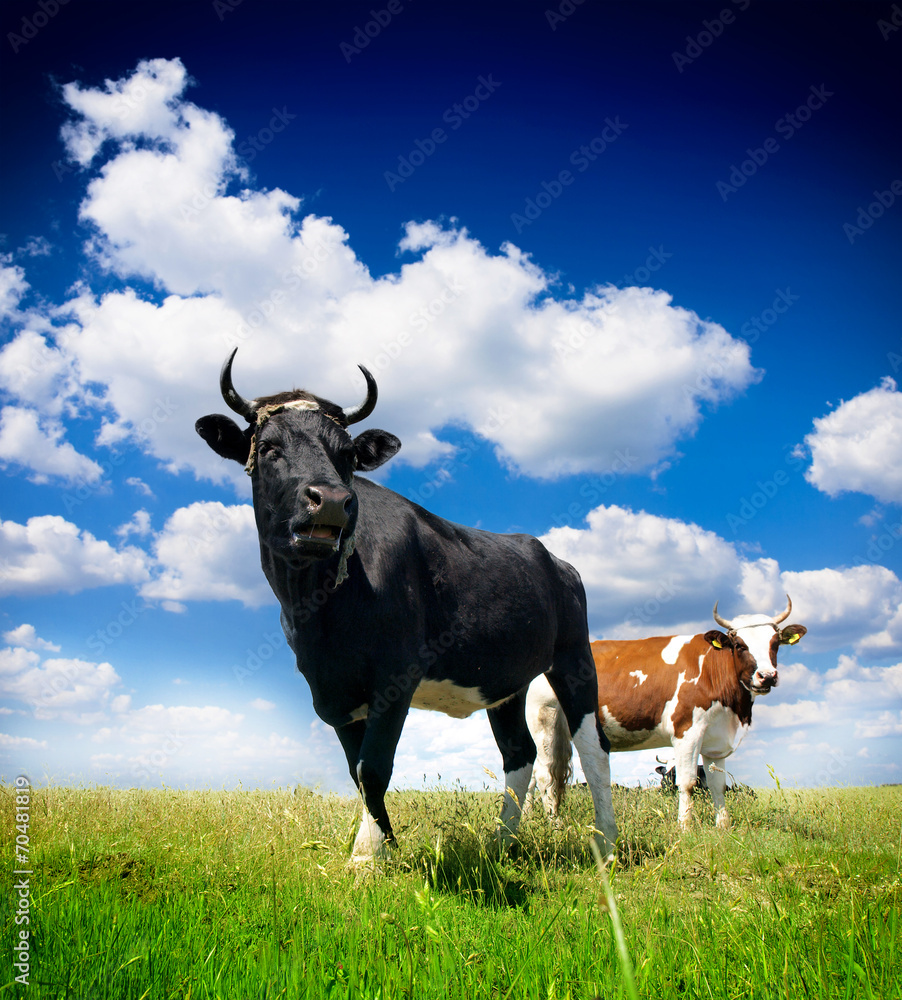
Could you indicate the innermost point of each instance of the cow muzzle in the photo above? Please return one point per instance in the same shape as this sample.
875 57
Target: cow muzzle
762 683
319 526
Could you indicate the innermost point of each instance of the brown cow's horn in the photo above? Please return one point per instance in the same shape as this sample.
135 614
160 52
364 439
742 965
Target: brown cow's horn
239 404
722 622
786 613
353 414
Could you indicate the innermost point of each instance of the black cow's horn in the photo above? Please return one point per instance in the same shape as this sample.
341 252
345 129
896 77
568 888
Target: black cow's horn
786 613
722 622
353 414
239 404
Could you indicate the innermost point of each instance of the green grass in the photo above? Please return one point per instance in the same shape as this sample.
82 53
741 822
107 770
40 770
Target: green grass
158 895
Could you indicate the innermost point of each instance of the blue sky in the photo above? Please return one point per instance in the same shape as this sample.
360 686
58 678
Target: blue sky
627 276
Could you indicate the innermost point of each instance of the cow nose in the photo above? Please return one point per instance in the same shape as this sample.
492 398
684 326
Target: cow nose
326 504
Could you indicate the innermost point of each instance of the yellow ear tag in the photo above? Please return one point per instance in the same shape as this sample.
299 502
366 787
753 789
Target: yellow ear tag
716 643
793 638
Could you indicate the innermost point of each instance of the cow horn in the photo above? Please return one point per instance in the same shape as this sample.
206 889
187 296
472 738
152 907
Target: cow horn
786 613
353 414
722 622
239 404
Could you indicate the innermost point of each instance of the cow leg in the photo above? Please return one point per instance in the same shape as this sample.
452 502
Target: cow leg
518 752
552 769
370 752
574 681
686 776
716 776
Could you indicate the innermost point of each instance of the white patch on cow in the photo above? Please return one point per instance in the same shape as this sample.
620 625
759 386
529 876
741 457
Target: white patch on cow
446 696
671 652
631 739
369 844
641 677
597 768
360 713
516 785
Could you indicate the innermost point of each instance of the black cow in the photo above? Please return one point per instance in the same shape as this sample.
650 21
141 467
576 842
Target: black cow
386 605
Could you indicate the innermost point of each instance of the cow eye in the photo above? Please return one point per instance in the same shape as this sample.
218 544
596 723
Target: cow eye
267 449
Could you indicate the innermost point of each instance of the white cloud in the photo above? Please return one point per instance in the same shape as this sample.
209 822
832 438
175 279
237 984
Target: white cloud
209 552
138 525
13 287
21 742
49 554
858 447
459 335
26 637
61 688
644 574
262 705
38 445
650 575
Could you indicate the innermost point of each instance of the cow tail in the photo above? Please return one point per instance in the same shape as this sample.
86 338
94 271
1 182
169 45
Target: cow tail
560 767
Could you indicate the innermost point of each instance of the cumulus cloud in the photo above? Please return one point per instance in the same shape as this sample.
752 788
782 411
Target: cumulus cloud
37 444
21 742
858 446
26 637
13 287
209 552
60 688
644 574
459 335
858 605
50 554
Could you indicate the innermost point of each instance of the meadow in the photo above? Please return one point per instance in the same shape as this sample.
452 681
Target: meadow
245 895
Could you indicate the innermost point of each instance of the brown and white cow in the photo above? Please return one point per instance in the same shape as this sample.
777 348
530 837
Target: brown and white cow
691 692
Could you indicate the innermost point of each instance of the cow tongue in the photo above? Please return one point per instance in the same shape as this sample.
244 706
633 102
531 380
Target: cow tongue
321 531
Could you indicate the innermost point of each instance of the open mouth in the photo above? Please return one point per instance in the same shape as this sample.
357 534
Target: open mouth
325 534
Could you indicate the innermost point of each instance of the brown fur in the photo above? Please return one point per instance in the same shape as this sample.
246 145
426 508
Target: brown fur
638 708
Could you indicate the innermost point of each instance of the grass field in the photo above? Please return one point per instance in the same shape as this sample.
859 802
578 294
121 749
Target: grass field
238 895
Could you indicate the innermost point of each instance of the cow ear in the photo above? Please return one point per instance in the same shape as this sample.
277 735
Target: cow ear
792 633
718 640
375 448
225 437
